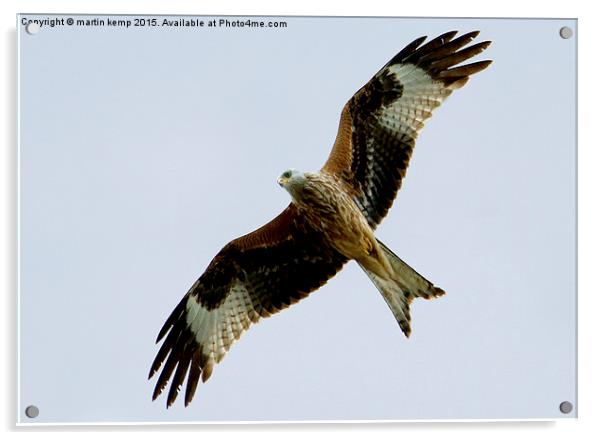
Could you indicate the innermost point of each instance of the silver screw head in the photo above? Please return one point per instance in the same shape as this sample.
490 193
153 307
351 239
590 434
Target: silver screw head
32 411
32 28
566 32
566 407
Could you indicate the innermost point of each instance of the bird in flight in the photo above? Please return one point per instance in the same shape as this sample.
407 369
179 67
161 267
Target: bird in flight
330 220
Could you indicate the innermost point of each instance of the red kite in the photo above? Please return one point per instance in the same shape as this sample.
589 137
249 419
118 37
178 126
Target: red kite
330 220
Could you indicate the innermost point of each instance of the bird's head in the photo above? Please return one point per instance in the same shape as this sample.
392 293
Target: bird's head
292 180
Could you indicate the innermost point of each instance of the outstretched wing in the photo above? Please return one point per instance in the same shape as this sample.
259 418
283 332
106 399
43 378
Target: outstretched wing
380 123
252 277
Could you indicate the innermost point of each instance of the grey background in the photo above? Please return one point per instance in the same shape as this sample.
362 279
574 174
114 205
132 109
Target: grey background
143 151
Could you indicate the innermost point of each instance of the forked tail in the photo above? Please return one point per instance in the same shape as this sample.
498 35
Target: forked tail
400 290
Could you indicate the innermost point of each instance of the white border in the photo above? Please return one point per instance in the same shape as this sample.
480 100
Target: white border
18 227
588 424
290 422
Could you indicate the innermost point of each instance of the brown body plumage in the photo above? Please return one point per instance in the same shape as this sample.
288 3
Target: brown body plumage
325 206
330 221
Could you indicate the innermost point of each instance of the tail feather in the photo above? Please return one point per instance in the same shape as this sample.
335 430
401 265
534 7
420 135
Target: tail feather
400 290
412 280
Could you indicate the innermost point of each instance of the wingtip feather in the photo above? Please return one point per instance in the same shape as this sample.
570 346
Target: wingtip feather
157 391
456 83
465 70
473 34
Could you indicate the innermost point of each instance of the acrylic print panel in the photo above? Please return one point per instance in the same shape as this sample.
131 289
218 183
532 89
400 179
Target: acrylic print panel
143 149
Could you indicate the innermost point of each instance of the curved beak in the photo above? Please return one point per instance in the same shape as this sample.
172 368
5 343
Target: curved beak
281 181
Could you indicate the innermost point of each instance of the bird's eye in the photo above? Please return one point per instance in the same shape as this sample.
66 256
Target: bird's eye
287 174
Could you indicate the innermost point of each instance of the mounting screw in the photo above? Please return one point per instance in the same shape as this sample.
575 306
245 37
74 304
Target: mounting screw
32 411
32 28
566 407
566 32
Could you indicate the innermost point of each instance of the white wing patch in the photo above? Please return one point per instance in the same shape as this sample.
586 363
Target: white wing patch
421 95
216 330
